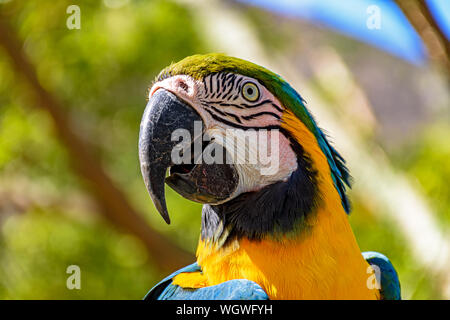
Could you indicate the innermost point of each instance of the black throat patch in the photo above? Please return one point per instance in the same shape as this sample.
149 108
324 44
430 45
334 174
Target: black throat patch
275 210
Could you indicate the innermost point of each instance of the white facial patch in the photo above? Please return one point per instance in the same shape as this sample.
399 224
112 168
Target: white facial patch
261 157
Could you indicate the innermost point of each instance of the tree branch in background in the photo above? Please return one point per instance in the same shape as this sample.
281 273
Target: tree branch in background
114 204
422 20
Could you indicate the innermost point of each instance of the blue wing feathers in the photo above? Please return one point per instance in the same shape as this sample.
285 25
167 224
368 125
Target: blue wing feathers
156 291
240 289
390 285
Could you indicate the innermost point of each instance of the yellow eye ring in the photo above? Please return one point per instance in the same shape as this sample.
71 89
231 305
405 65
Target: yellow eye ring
250 91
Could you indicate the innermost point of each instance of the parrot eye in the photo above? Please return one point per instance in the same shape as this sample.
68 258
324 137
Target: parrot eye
250 91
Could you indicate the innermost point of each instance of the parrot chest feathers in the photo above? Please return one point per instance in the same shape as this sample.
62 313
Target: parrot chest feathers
322 263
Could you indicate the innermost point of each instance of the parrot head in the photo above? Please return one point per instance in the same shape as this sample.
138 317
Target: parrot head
239 139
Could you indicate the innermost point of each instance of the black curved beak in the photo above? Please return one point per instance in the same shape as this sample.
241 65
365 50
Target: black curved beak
195 180
164 114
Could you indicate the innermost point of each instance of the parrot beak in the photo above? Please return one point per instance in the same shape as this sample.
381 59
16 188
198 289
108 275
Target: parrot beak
164 114
204 183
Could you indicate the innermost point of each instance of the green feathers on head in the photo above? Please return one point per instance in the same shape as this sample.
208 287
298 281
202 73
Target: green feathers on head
200 65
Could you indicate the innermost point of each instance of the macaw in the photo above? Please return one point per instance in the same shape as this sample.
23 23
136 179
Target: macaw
268 231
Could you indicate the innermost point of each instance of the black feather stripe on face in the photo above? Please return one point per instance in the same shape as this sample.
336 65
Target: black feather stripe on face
276 209
220 92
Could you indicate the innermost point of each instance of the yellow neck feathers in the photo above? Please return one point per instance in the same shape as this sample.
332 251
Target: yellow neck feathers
324 264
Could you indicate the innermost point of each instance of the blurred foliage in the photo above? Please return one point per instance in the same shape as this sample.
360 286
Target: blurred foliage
375 234
38 246
101 73
427 161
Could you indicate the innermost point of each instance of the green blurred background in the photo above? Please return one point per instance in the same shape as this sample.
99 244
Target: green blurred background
49 216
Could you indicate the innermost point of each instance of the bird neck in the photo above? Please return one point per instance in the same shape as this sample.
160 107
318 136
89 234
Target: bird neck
276 210
323 263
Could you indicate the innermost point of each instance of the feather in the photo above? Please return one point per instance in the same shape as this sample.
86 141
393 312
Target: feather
390 285
239 289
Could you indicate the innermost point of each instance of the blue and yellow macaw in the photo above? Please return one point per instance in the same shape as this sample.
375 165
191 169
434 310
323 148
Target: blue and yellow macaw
273 229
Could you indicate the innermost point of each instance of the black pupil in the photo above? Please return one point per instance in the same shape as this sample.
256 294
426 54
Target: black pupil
250 91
